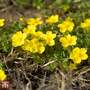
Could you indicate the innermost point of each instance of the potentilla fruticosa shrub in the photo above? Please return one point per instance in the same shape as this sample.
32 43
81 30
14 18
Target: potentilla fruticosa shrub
56 38
51 41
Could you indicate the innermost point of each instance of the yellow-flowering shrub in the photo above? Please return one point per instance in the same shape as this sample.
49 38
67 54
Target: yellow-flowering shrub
57 39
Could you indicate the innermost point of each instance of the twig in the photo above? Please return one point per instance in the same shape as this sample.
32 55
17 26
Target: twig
4 59
48 63
14 3
5 9
42 83
11 52
84 71
62 81
29 82
58 80
85 80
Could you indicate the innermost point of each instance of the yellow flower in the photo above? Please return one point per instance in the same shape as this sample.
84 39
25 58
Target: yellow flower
49 38
78 54
2 22
40 35
68 40
67 25
34 21
30 29
85 24
18 39
34 46
2 75
30 45
52 19
27 45
41 47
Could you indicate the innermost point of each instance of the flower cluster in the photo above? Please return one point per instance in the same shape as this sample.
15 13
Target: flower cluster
38 34
77 54
31 39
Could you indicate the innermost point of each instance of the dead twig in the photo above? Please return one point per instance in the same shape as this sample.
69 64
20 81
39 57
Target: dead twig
42 83
85 71
58 80
28 85
48 63
5 9
63 80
